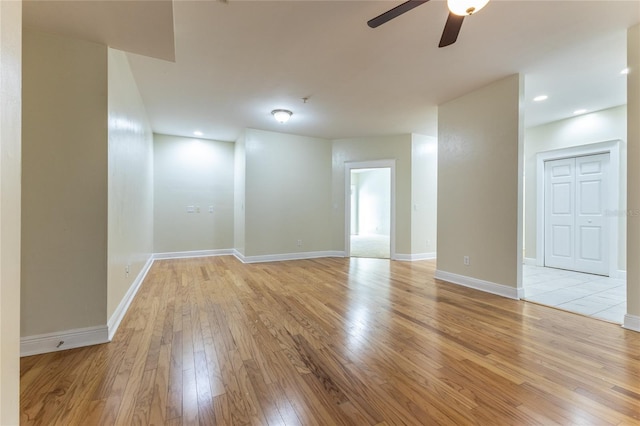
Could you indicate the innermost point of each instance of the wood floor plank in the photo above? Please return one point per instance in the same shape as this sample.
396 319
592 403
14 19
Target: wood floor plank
334 341
189 398
158 409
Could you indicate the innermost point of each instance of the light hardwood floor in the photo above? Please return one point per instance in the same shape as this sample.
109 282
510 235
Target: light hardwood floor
332 342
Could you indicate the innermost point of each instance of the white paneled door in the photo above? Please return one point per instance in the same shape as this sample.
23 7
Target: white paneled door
576 232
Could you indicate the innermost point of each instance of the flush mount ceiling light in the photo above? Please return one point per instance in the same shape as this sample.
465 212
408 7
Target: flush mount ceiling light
198 133
466 7
579 111
281 115
540 98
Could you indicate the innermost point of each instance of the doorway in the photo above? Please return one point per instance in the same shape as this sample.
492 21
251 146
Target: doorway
578 223
369 209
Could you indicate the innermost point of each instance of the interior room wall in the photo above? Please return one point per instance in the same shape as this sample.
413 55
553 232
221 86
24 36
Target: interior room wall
130 212
64 184
374 201
424 195
193 198
479 177
599 126
239 197
287 193
10 157
632 319
397 147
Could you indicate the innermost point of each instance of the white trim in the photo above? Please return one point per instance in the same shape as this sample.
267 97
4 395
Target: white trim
50 342
620 275
531 261
416 256
196 253
611 147
631 322
239 256
486 286
288 256
374 164
123 306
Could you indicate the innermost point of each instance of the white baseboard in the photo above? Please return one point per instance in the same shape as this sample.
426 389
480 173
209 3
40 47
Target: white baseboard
288 256
63 340
123 306
486 286
190 254
415 256
238 256
531 261
632 322
619 274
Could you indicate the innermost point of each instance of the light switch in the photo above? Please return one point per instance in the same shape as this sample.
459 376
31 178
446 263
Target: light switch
210 209
191 209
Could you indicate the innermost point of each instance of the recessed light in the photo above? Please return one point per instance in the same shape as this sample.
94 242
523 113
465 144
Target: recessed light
540 98
198 133
579 111
625 71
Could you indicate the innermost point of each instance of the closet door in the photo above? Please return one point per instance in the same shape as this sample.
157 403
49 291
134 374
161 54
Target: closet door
559 213
576 234
592 238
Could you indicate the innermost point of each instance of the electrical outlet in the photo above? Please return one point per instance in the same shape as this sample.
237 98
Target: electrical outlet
299 243
465 260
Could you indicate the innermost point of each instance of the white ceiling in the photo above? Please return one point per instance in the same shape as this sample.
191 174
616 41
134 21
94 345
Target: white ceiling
236 61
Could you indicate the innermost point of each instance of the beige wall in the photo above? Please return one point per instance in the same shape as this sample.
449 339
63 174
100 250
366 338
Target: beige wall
10 136
239 190
601 126
64 192
424 194
369 149
198 173
633 183
130 229
479 137
288 193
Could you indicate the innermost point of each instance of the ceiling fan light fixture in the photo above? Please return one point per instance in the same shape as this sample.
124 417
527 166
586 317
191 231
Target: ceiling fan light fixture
281 115
466 7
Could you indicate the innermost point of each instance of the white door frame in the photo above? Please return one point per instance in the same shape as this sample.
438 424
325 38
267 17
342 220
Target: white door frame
375 164
613 149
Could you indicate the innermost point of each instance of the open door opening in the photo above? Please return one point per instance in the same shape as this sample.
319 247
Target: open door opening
370 212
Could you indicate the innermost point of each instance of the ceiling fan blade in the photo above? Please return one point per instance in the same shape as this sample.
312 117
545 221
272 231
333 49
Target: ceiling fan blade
451 30
395 12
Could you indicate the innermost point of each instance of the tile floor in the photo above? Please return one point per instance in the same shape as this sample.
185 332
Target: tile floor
592 295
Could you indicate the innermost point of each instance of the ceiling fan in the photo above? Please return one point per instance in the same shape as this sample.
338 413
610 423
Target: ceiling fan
458 9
